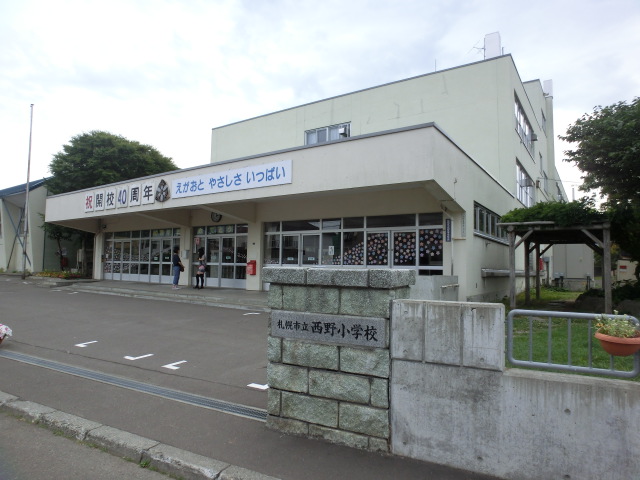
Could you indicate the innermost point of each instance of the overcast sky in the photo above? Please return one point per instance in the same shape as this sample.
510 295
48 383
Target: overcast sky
165 72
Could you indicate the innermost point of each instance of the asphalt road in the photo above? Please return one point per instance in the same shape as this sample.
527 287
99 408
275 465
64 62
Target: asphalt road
201 350
215 352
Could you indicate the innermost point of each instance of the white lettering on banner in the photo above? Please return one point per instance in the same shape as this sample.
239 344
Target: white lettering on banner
266 175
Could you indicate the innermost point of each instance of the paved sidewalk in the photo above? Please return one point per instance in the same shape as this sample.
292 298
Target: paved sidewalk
31 453
138 450
218 297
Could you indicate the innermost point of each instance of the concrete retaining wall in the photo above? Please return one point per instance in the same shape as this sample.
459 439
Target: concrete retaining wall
453 403
328 353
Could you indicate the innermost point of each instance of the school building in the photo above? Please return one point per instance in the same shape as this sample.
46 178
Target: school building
413 174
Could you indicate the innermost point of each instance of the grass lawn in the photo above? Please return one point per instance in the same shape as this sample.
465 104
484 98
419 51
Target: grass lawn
566 348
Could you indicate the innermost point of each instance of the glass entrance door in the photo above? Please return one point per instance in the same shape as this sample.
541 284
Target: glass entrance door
154 263
310 249
166 266
118 260
226 261
212 275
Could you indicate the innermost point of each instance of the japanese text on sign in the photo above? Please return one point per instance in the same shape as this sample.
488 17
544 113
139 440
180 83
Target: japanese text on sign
256 176
364 331
120 197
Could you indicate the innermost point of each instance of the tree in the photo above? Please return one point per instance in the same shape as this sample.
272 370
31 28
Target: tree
608 153
99 158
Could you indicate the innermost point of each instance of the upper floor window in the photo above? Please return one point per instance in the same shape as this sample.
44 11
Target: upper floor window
524 186
523 127
327 134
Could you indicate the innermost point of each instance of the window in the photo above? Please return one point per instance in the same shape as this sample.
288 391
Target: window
544 122
485 223
524 186
327 134
405 241
523 127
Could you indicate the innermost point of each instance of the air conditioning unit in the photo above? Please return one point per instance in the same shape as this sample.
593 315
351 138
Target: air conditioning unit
343 131
534 137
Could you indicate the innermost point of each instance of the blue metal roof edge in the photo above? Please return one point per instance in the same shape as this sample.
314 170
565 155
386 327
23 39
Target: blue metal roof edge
21 188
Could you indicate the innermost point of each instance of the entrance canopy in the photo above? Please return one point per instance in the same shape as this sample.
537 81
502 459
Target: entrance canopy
539 237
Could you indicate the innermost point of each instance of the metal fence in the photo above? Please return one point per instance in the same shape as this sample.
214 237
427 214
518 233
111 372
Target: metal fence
563 341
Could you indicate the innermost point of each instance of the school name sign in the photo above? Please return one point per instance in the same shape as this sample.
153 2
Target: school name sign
327 328
149 192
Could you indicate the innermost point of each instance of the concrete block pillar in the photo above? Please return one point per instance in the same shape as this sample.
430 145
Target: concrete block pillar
328 354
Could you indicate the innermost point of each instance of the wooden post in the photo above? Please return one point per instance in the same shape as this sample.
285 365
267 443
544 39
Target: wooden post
606 268
512 266
537 271
527 280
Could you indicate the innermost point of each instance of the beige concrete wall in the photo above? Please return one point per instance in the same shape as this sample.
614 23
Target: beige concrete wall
39 249
454 403
473 104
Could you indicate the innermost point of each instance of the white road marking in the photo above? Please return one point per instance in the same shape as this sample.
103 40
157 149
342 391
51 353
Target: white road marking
138 358
252 313
83 345
172 366
258 386
73 293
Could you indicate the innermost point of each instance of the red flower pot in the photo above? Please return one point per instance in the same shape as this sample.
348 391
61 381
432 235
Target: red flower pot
620 347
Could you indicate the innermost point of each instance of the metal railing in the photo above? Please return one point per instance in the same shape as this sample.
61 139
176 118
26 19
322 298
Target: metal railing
539 327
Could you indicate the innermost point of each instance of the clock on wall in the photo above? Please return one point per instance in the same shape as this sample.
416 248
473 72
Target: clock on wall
215 217
162 192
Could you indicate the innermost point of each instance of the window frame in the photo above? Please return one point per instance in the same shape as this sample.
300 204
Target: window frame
331 133
523 126
485 224
525 187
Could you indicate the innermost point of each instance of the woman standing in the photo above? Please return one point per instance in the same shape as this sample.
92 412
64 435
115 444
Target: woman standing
177 267
202 261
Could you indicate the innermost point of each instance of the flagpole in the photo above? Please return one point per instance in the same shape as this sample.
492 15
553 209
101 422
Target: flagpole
26 202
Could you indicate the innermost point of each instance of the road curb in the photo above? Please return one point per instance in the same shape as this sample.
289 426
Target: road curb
161 457
169 296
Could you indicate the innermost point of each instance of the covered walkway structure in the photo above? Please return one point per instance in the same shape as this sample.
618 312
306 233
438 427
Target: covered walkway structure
539 237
